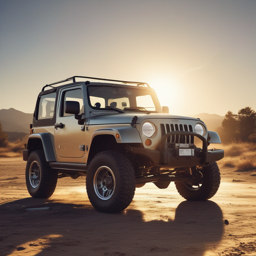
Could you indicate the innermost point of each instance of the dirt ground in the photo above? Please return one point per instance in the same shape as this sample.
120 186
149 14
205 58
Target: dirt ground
158 222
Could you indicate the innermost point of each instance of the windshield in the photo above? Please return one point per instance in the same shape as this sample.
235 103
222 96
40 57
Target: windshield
127 99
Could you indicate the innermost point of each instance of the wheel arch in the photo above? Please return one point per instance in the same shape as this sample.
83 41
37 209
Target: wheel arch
41 141
112 139
213 137
125 134
102 142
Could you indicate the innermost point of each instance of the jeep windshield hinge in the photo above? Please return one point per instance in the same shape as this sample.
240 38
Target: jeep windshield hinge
134 120
80 118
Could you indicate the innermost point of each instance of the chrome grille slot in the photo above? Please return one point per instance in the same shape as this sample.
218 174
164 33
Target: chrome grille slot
191 137
167 128
187 137
182 137
162 130
176 136
172 137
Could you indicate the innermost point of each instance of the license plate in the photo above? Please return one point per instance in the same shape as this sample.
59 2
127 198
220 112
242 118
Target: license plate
182 145
186 152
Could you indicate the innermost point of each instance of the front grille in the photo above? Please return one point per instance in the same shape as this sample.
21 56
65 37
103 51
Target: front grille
166 128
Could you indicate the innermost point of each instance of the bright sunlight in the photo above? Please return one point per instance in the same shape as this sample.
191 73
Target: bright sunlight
167 89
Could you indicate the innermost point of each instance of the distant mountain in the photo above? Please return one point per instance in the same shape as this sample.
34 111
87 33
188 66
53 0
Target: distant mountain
212 121
13 120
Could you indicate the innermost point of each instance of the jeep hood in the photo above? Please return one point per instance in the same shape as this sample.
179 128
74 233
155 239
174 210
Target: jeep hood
126 118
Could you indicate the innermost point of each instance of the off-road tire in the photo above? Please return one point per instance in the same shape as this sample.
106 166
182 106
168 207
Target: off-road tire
44 186
209 187
121 182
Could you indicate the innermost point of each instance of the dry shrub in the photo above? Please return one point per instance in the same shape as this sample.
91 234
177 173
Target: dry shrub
240 156
237 148
3 138
5 152
246 164
13 149
16 146
252 137
234 150
245 145
9 154
228 163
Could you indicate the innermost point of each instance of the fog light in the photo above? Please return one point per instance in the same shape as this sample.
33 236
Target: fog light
148 142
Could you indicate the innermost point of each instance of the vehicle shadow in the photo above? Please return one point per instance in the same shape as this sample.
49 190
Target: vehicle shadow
76 229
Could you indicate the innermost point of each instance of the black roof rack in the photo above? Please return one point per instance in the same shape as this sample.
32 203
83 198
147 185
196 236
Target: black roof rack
73 78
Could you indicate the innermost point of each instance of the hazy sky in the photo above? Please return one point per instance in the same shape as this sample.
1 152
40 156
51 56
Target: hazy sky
200 56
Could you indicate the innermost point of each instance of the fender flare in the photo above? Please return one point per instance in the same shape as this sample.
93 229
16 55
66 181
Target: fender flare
46 143
213 137
125 134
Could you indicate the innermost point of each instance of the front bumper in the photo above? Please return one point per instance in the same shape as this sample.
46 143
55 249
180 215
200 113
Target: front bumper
169 157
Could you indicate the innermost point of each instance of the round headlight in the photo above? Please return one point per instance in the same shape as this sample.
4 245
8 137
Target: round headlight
199 129
148 129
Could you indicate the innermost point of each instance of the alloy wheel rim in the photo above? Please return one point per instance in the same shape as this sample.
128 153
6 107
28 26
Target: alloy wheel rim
104 183
34 174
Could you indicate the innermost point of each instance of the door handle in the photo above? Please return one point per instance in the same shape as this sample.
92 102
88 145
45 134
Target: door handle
60 125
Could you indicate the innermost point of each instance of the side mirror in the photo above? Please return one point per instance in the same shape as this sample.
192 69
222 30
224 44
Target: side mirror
165 109
72 107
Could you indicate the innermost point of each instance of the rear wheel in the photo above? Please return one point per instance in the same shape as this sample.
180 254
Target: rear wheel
41 179
110 182
205 189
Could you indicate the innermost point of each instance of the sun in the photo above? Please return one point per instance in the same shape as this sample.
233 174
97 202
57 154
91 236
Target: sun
167 90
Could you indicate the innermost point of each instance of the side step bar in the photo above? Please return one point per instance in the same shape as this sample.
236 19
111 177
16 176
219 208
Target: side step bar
68 166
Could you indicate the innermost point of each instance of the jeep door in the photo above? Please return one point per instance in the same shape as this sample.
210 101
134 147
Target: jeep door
69 138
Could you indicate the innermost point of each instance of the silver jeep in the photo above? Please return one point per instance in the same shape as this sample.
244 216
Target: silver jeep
117 135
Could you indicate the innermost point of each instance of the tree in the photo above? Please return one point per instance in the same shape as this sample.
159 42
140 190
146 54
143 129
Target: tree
247 124
230 126
3 138
241 126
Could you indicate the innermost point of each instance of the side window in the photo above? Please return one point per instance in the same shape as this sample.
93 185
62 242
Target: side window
47 106
72 95
146 102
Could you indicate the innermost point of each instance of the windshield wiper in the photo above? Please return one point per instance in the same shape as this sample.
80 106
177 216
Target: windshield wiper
139 109
116 109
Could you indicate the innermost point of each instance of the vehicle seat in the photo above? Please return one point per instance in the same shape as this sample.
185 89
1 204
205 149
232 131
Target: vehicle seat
113 104
97 105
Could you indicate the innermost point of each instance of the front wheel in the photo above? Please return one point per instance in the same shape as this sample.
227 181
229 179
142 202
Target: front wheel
203 190
41 179
110 182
